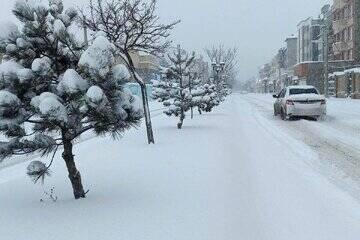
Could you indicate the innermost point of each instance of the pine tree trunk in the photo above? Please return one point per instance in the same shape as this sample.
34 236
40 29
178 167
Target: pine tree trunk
74 174
182 117
199 111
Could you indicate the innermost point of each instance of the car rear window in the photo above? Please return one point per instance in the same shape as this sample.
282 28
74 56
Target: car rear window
296 91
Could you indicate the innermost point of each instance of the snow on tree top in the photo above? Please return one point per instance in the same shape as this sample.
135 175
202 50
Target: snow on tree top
98 57
21 43
24 75
33 4
95 94
8 70
35 101
72 83
121 72
59 27
53 109
7 98
41 66
7 29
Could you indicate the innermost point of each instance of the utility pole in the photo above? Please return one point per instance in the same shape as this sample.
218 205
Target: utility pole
326 61
326 50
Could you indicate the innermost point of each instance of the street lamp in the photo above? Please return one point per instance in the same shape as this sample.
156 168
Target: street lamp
222 65
218 67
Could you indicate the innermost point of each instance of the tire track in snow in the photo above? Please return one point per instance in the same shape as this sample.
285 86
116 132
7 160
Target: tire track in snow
339 157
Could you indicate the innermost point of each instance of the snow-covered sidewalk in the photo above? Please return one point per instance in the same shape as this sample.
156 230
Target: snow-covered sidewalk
231 174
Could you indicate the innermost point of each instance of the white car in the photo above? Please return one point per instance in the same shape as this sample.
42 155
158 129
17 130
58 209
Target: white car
299 101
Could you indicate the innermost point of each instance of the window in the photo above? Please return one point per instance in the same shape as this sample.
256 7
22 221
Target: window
282 93
297 91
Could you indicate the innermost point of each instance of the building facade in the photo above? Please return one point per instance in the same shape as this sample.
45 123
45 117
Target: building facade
309 40
291 51
345 26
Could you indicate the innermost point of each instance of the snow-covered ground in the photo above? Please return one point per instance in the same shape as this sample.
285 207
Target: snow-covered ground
237 173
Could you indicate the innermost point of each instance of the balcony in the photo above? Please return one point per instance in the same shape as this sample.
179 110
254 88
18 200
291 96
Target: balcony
339 47
341 24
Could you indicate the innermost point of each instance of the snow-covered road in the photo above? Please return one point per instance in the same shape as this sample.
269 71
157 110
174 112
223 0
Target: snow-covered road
287 199
335 139
237 173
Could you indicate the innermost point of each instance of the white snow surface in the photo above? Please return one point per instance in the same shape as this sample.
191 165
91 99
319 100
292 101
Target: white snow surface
237 173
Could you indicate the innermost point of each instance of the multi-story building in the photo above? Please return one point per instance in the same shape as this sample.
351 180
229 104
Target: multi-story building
146 65
288 76
309 40
291 51
345 26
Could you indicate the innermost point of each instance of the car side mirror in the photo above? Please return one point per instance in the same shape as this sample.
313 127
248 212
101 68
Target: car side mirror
275 96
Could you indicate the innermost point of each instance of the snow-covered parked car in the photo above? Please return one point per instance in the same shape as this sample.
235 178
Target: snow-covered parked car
299 101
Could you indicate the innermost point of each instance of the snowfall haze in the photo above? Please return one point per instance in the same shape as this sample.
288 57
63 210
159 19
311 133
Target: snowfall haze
241 23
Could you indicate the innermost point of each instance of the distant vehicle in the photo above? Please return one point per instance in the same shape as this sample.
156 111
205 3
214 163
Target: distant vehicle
299 101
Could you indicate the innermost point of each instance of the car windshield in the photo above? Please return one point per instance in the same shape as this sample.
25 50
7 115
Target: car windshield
297 91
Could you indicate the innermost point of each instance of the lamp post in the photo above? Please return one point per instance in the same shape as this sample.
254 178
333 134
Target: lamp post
218 67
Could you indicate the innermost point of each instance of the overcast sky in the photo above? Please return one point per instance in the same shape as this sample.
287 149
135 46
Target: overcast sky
257 27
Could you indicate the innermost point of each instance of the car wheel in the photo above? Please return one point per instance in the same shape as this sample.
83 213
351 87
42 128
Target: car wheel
283 115
275 112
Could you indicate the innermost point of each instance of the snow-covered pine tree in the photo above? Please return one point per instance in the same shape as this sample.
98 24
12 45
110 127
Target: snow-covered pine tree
173 90
52 90
205 97
132 26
